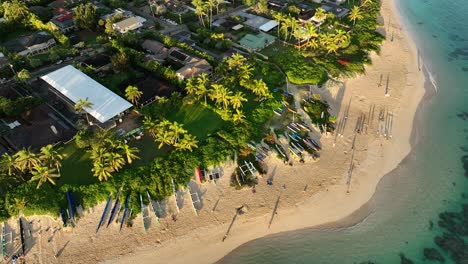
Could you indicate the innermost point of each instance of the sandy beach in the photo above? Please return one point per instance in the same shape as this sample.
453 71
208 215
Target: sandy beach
306 195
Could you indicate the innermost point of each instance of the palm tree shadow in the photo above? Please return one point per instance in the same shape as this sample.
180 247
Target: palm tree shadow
62 249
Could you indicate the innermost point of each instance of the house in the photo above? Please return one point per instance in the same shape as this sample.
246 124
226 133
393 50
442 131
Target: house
71 85
307 17
35 43
276 4
193 66
128 24
64 20
257 22
118 11
158 51
336 2
336 10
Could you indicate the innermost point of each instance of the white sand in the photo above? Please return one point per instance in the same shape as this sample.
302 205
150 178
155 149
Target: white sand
315 194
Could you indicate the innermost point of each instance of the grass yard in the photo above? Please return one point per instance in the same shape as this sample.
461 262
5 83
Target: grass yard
298 69
76 167
197 119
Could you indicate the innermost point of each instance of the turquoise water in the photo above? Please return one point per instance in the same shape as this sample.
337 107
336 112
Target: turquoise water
429 181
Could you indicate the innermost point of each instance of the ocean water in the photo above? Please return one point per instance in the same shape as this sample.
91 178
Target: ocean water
429 181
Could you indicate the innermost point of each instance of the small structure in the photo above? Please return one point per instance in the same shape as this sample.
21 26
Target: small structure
128 24
100 62
64 20
276 4
337 10
256 42
268 26
35 43
193 66
3 60
71 85
157 49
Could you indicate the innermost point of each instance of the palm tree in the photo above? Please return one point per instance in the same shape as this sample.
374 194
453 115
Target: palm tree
366 2
202 82
259 88
210 4
101 171
200 10
237 99
51 156
133 94
320 14
44 174
279 18
235 61
129 152
191 86
188 142
238 116
26 160
285 26
176 130
81 105
310 31
355 14
8 164
164 137
114 160
245 72
150 126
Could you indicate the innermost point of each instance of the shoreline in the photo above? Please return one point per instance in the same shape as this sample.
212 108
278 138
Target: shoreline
182 249
315 195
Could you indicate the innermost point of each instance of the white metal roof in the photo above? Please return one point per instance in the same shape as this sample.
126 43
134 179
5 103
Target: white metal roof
76 85
268 26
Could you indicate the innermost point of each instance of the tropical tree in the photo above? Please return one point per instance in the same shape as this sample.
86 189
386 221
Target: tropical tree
85 16
200 10
133 94
310 32
259 88
81 105
220 94
191 86
210 4
101 171
366 2
188 142
355 14
177 130
202 82
238 116
235 61
51 157
44 174
128 152
8 164
279 18
114 160
320 14
164 137
150 126
26 160
237 99
15 10
23 75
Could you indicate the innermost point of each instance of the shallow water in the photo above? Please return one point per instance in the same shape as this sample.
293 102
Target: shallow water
429 181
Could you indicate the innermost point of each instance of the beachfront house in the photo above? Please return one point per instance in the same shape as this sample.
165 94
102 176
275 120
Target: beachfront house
128 24
70 85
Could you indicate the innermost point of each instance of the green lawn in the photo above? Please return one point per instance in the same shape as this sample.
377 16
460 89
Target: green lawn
76 167
299 70
197 119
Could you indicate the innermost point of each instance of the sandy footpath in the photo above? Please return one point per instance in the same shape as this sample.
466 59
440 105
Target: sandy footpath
309 194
